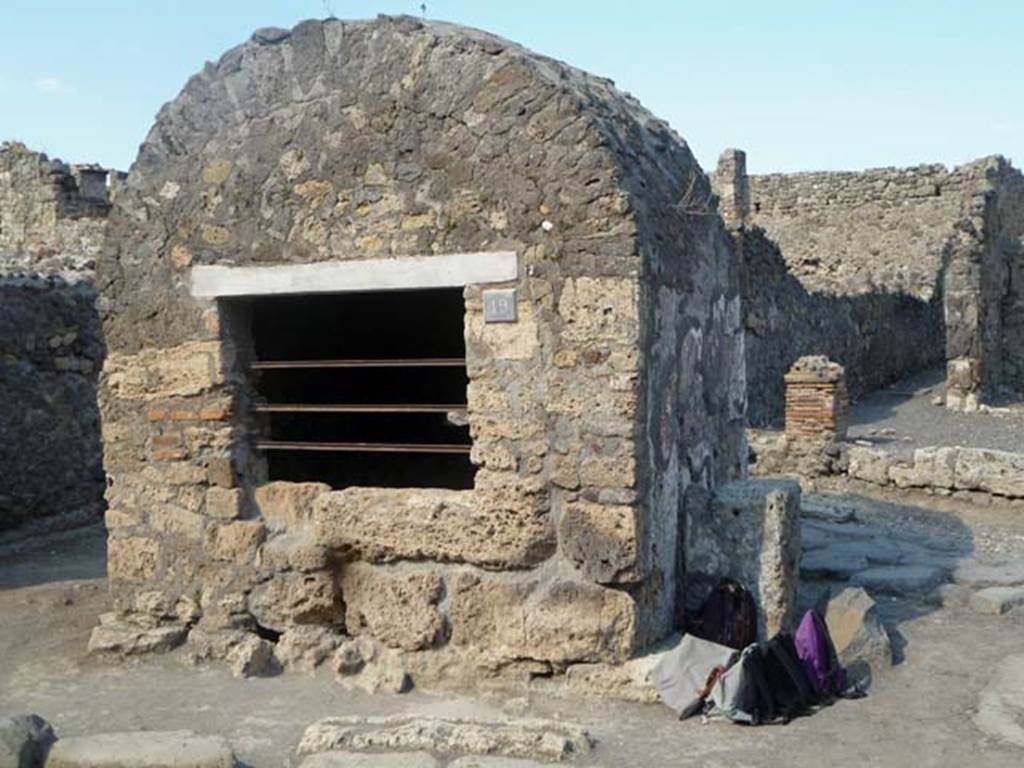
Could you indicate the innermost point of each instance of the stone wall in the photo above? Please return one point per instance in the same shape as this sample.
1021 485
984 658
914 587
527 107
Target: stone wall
984 294
43 210
879 338
51 346
877 231
887 271
620 385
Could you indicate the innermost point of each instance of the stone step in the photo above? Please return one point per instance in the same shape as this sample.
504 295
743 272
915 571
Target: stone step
899 579
142 749
973 573
997 600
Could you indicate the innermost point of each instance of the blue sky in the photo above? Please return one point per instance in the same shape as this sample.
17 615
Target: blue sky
800 85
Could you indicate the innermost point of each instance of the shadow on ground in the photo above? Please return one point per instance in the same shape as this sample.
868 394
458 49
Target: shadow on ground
80 554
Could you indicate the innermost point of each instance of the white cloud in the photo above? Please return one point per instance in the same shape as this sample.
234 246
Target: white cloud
51 86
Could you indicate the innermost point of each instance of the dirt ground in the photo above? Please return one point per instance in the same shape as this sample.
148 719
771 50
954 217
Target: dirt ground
955 698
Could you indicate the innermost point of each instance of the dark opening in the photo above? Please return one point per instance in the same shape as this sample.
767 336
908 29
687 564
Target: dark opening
363 389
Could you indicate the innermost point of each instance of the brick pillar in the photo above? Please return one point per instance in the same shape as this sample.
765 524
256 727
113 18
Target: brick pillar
817 403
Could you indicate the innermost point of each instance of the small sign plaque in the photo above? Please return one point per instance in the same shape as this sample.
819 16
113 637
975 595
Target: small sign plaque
500 305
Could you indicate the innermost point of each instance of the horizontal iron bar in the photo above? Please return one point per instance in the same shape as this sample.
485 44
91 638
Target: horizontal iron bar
416 362
356 408
281 445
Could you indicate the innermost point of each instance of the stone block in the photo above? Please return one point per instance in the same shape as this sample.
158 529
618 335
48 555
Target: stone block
344 759
601 541
130 639
133 558
831 563
288 599
998 472
496 529
400 609
611 472
25 741
748 531
220 471
504 341
856 630
952 596
600 309
869 464
192 368
932 468
304 648
252 656
284 505
972 573
223 503
236 542
206 645
558 621
548 740
899 579
997 600
293 552
142 749
170 520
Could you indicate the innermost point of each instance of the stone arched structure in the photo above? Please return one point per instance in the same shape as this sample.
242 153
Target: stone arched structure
380 150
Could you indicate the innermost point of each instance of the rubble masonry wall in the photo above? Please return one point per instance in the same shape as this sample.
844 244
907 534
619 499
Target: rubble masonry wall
51 347
888 271
349 140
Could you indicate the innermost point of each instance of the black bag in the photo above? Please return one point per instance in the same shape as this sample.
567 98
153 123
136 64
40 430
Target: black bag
727 617
783 689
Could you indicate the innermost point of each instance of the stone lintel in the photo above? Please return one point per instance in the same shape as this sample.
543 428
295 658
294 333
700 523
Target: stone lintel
451 270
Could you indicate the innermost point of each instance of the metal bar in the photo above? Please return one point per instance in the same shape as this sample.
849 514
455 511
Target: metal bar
281 445
424 362
357 408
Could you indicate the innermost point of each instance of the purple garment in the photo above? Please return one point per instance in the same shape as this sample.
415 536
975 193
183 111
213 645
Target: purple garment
818 656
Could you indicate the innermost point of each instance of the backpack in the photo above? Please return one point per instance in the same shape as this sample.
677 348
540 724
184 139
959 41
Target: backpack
821 663
727 617
818 656
767 684
684 676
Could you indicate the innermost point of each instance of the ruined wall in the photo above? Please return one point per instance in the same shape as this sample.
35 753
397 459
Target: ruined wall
43 210
51 348
887 271
876 231
983 289
1004 359
878 337
349 140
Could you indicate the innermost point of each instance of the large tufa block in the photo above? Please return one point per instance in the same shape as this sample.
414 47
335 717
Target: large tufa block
379 525
398 609
748 531
555 621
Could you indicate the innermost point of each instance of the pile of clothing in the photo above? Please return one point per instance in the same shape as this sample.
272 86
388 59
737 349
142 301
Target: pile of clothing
719 670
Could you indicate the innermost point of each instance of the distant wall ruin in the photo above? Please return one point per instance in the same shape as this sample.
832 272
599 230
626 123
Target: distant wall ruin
888 271
52 223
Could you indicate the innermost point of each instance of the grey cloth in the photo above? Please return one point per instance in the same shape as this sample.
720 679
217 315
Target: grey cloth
682 673
735 693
